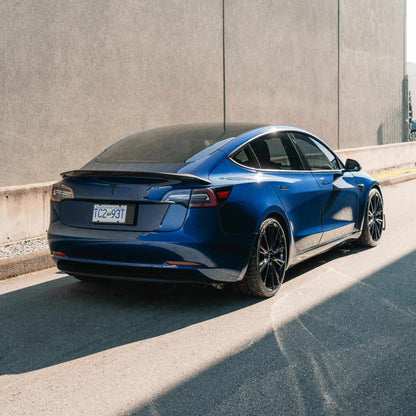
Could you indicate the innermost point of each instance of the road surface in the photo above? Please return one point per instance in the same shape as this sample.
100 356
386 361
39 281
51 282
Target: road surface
339 338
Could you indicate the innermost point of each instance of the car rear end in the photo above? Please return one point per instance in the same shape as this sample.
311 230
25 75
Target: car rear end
148 226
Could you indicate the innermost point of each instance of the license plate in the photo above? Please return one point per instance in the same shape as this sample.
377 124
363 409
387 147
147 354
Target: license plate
113 214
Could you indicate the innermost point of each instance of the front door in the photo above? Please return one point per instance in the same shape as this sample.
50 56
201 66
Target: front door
340 193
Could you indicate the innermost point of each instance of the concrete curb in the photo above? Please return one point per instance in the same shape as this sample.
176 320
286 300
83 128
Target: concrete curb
29 263
26 263
398 179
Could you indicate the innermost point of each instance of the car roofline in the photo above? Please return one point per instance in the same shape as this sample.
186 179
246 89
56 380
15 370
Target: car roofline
248 136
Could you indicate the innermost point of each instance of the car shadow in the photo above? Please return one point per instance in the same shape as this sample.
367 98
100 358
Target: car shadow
65 319
344 250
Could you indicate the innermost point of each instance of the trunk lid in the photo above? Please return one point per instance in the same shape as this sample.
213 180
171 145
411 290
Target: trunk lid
140 193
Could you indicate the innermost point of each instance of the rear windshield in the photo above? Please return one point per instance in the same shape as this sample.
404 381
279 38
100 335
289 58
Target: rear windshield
173 144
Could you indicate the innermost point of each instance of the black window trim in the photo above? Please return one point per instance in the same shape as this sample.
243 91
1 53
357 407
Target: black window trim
253 154
305 164
251 151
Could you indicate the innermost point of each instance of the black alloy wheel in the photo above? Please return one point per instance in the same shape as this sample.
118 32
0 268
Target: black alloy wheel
374 220
267 267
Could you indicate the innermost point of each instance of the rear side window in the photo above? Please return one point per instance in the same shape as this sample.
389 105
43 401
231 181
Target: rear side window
276 151
246 157
317 155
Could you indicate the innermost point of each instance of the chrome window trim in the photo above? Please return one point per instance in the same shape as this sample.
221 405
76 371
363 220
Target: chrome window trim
242 166
284 170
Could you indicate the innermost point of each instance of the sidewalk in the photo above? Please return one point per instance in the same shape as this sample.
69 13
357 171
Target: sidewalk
12 265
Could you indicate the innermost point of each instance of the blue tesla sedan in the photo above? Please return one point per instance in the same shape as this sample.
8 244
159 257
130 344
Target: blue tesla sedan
212 204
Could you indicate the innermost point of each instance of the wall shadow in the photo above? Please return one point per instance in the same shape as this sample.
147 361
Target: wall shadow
380 139
354 354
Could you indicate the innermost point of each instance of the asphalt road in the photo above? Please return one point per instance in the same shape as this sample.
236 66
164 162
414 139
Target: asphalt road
339 338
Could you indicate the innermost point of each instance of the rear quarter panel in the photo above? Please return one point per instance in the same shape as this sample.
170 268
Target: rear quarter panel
250 202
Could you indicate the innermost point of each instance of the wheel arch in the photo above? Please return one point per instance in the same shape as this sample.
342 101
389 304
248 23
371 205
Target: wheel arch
252 282
374 185
280 216
377 186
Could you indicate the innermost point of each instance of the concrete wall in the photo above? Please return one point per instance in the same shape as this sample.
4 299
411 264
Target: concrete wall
372 69
282 66
24 211
411 71
377 158
281 63
78 75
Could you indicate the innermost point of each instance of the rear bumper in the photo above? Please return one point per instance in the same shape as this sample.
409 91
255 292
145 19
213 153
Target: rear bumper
144 272
143 256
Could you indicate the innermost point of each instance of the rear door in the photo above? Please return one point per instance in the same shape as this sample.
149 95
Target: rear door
297 189
340 193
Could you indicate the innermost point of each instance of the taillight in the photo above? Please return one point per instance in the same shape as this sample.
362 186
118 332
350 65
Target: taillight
180 196
198 198
203 198
60 192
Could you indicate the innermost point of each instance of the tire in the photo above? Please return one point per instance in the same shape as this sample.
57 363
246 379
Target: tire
373 220
268 261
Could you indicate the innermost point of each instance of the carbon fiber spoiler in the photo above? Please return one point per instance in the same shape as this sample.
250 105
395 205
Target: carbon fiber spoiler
185 177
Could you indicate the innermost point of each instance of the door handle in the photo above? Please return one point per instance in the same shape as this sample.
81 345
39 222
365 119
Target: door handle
325 183
283 187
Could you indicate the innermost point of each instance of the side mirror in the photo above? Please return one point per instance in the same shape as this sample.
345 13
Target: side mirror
352 165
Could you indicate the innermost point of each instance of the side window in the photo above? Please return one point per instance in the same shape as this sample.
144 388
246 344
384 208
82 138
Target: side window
245 157
276 151
317 155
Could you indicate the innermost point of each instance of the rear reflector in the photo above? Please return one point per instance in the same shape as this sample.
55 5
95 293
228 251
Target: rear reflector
58 253
223 195
183 263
